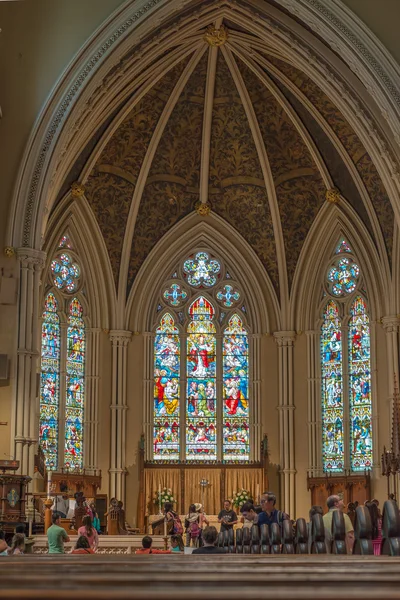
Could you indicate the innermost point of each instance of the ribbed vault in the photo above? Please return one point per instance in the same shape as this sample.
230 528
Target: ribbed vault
242 126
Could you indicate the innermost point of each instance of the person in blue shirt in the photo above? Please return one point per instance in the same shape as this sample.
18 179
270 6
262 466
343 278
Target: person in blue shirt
269 514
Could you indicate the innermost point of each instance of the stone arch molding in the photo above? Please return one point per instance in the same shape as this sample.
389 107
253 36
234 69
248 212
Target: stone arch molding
76 218
63 127
332 222
214 235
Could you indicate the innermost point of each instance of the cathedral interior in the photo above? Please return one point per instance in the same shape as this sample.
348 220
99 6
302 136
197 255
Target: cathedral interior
200 264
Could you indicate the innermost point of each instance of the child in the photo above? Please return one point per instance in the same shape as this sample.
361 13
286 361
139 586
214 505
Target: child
147 549
192 524
176 543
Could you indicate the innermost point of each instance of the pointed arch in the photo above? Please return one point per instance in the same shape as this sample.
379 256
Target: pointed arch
332 389
195 232
360 402
332 223
235 373
49 401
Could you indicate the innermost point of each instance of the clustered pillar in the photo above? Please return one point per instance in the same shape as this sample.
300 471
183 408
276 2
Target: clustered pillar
285 341
26 408
120 340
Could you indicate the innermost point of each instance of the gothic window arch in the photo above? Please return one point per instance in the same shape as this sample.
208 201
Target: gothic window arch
201 402
63 363
345 344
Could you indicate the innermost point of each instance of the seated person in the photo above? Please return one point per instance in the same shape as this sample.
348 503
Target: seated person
3 543
82 546
147 549
210 535
177 543
249 515
17 544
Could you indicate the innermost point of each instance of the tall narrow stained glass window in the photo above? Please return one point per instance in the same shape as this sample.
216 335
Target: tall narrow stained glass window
50 382
75 387
332 390
360 387
236 397
201 434
166 390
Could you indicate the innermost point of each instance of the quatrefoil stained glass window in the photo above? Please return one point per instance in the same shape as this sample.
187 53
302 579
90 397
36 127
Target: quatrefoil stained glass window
65 273
343 276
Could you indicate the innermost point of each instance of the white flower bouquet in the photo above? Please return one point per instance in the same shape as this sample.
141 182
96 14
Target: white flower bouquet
162 496
240 497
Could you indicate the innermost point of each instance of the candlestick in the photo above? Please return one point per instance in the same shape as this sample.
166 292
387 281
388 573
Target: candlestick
165 527
159 499
30 528
49 484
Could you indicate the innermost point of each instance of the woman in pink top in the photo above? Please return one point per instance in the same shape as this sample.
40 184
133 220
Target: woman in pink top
89 532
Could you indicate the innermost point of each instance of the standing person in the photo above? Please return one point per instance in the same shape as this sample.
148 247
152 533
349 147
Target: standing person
89 532
17 544
376 522
336 503
171 515
192 526
203 521
210 535
269 513
227 517
249 515
82 546
56 536
96 520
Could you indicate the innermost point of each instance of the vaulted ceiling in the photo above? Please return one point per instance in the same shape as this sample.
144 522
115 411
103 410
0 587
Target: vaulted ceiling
238 125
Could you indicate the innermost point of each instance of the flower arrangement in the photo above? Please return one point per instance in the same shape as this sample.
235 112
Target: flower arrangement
163 495
240 497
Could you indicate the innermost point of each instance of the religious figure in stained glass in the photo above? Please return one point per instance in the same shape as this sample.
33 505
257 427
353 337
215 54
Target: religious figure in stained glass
360 387
236 404
201 438
166 390
332 390
201 270
75 387
50 382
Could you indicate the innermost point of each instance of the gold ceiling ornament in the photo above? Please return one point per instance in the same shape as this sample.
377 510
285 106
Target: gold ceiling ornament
9 251
203 208
214 36
332 195
77 189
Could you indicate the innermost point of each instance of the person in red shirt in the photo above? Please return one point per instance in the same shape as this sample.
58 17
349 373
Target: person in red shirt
147 549
82 546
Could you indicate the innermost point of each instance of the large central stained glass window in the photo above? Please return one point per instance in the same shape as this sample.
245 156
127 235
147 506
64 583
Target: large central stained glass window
201 427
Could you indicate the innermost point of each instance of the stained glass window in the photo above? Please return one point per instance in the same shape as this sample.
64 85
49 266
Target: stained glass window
201 434
201 270
236 387
50 382
65 272
228 296
360 387
343 276
175 295
75 387
166 390
64 242
342 246
332 390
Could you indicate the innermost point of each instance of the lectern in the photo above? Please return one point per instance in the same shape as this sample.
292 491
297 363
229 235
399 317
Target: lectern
13 494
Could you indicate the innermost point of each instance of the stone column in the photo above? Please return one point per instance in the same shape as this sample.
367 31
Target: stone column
25 414
391 325
148 395
314 409
255 413
285 341
120 340
91 414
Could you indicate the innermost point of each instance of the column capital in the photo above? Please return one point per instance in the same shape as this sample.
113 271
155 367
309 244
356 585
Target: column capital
30 256
285 338
120 337
391 323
